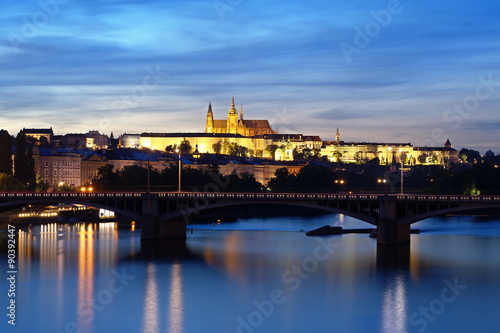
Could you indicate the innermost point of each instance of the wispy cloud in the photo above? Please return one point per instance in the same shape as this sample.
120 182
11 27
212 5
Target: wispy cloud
270 56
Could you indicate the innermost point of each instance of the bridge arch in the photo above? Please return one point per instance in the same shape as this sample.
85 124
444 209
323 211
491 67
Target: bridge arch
190 211
127 213
419 217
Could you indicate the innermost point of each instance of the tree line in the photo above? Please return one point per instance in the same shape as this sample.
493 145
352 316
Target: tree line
18 174
137 178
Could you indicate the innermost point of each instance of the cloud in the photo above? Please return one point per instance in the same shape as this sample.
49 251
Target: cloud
271 56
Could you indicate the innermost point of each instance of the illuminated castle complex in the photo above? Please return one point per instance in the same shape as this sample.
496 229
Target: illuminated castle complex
235 124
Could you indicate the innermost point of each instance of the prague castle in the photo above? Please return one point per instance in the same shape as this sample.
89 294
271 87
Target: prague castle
235 124
261 140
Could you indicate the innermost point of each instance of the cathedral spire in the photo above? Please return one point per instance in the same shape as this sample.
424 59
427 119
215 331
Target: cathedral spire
233 110
337 136
210 119
210 108
241 113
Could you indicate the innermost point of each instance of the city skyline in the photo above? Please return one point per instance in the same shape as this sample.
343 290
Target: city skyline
383 71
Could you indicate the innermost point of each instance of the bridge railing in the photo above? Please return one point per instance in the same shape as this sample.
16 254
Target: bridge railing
448 198
64 195
250 196
265 196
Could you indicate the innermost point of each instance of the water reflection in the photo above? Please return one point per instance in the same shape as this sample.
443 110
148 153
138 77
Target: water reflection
48 250
151 310
394 305
58 250
85 276
394 264
204 285
176 303
160 255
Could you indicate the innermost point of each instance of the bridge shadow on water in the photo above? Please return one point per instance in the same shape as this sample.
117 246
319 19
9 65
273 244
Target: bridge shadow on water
393 258
166 250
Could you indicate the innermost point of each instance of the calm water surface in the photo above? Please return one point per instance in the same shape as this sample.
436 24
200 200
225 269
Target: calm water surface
257 275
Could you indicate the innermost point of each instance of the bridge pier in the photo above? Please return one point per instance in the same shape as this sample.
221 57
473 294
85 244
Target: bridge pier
154 229
389 231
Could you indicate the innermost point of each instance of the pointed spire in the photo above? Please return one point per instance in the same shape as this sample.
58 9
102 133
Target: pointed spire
232 110
241 112
447 144
210 119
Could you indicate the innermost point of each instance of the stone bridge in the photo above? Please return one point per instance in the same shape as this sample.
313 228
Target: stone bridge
165 215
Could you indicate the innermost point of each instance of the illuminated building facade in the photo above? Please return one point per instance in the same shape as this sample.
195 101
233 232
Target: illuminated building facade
205 142
58 167
235 124
37 133
389 153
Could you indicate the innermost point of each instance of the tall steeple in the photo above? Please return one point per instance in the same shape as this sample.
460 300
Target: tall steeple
232 110
210 119
241 112
337 136
232 119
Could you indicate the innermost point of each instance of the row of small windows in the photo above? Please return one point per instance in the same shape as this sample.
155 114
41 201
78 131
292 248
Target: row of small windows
63 163
62 173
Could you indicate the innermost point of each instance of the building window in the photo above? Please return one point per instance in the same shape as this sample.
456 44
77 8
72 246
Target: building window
46 163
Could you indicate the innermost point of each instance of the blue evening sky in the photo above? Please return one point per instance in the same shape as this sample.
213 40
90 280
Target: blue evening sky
416 71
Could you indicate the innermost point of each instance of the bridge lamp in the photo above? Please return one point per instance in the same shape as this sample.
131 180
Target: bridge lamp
381 181
340 182
402 166
83 189
179 183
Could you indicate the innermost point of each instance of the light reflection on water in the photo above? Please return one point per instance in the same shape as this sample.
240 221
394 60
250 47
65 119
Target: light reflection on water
86 265
394 305
219 276
175 305
151 315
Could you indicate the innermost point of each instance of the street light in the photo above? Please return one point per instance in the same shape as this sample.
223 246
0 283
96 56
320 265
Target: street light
148 185
340 182
179 184
402 166
381 181
387 170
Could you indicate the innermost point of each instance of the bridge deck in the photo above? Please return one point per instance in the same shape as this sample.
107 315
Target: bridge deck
249 196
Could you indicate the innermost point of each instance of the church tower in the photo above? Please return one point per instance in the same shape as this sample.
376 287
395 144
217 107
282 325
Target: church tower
337 136
232 119
209 128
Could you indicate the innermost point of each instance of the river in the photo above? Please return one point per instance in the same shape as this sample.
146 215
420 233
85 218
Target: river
255 275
